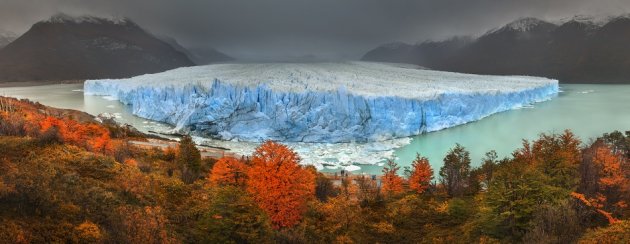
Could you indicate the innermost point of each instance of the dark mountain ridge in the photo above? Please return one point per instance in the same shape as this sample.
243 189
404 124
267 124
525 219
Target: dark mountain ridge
64 48
199 56
576 51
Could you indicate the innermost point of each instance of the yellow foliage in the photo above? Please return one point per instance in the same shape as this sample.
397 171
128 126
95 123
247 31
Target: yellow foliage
89 232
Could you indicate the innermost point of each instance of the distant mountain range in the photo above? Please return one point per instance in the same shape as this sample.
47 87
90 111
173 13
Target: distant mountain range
67 48
579 50
200 56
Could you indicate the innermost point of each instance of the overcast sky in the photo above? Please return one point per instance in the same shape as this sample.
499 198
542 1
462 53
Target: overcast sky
339 29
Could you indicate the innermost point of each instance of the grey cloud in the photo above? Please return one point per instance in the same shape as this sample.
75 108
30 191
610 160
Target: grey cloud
342 29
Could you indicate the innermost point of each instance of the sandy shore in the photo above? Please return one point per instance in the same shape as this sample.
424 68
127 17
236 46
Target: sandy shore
37 83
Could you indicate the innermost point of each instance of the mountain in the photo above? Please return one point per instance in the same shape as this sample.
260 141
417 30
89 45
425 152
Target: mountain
516 48
397 51
200 56
427 54
6 37
65 47
579 50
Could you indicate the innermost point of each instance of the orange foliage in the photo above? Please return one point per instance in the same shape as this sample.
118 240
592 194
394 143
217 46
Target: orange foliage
392 183
131 162
611 174
279 185
581 198
555 155
228 171
90 136
89 232
564 147
421 174
593 203
612 183
146 225
609 217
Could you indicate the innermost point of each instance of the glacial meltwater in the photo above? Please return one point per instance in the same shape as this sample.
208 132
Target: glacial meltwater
588 110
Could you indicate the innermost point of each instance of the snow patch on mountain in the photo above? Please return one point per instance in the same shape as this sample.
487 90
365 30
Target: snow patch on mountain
7 37
525 24
521 25
61 18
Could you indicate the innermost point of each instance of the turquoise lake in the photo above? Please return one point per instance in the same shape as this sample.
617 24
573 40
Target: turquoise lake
587 110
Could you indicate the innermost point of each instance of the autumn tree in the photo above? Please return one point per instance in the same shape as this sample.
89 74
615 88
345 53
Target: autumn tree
189 160
619 143
615 233
421 174
516 192
391 182
488 166
324 188
366 190
143 225
413 216
279 185
554 224
88 232
98 139
555 155
228 171
456 171
613 185
232 217
89 136
51 127
603 184
334 220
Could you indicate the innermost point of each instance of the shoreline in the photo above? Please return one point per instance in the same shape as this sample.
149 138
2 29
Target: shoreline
37 83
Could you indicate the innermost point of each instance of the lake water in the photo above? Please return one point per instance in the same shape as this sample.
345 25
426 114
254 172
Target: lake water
588 110
70 96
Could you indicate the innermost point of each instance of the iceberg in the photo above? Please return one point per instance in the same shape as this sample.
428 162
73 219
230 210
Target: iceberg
319 102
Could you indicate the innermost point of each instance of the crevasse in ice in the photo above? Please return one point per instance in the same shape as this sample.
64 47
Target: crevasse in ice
319 102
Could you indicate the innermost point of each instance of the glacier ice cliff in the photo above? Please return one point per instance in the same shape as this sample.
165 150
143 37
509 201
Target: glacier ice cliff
319 102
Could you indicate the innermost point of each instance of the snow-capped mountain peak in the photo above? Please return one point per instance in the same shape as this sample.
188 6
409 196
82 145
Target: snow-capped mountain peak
524 24
589 20
61 18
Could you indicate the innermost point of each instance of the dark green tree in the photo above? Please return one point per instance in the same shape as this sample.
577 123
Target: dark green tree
483 174
188 160
324 188
554 224
233 217
456 171
517 191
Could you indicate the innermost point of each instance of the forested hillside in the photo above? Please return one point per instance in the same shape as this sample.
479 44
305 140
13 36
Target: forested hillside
68 177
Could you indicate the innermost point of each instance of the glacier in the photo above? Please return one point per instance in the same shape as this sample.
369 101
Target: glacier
318 102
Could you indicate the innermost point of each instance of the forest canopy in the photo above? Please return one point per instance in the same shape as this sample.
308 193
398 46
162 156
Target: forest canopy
65 177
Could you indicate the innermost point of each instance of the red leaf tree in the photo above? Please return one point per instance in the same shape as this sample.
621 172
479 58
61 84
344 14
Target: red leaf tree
279 185
228 171
421 174
391 182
